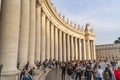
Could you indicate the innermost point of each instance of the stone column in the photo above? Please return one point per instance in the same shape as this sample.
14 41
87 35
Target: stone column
0 4
79 53
68 48
60 46
76 49
52 41
84 49
94 52
56 43
31 50
64 46
88 49
9 38
24 33
72 48
91 50
38 33
43 47
48 40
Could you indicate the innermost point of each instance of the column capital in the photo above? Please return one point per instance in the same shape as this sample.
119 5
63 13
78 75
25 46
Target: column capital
48 20
43 13
38 5
38 2
56 28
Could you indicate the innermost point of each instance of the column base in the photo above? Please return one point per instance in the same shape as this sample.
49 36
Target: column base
32 65
10 75
21 67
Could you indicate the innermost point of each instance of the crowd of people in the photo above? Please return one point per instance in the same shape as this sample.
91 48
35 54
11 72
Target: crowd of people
77 70
91 70
28 72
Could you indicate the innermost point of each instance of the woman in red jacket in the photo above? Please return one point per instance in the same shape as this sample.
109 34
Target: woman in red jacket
117 73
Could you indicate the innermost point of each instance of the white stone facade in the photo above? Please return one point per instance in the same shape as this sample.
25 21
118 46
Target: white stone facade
108 51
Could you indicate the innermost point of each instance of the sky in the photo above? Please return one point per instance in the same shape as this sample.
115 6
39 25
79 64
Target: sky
103 16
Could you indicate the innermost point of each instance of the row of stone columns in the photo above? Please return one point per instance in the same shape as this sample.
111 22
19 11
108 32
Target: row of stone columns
27 34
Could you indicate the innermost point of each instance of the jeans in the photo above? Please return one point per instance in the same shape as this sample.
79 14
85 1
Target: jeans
98 78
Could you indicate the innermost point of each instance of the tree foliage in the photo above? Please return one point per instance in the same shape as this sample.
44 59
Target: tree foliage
117 41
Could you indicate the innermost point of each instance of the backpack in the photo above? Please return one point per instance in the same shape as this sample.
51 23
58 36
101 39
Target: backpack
106 75
70 71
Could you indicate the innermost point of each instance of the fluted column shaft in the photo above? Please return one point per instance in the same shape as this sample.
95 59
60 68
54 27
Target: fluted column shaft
52 41
68 48
9 38
31 50
91 50
84 50
72 48
48 40
79 53
56 43
76 49
43 47
0 4
60 46
38 33
88 50
64 46
24 33
94 52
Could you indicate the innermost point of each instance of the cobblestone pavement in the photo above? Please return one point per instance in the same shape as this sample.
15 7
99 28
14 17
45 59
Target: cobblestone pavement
55 74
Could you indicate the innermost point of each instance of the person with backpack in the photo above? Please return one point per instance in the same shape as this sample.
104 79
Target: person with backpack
63 68
107 73
79 72
70 72
89 72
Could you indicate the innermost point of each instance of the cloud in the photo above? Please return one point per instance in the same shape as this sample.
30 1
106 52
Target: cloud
103 15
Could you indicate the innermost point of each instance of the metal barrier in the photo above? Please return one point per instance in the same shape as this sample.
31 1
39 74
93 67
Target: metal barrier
0 70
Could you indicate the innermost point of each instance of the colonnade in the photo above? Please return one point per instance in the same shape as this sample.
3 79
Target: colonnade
30 30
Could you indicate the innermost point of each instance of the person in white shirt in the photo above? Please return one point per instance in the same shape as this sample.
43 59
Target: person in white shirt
99 73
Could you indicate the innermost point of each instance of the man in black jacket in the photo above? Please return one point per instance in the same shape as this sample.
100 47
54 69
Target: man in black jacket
63 68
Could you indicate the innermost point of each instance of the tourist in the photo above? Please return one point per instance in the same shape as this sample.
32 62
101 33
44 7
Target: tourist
99 73
32 71
56 64
107 73
27 76
53 62
79 72
70 72
89 72
27 65
117 73
22 74
63 68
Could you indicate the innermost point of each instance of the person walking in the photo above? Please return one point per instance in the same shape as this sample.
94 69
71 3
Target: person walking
63 68
117 73
89 72
99 73
79 72
107 73
70 72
